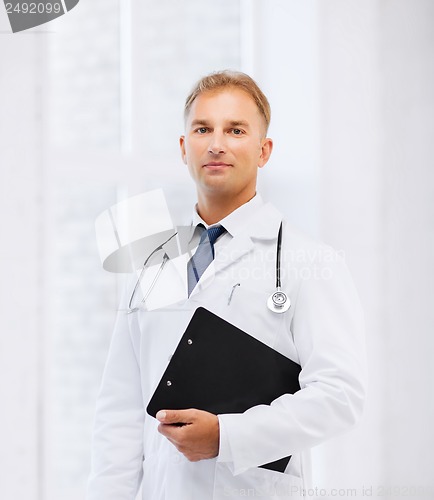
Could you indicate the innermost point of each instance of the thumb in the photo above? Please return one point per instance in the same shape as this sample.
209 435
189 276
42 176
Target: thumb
173 416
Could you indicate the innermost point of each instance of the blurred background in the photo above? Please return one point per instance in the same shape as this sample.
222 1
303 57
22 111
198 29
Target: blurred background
90 113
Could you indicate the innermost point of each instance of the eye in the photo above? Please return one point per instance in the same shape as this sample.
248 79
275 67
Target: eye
237 131
202 130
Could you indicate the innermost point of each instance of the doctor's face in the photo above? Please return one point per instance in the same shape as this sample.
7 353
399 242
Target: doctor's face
225 143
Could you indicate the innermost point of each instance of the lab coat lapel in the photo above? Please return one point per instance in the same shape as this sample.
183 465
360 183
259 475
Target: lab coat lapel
263 225
239 246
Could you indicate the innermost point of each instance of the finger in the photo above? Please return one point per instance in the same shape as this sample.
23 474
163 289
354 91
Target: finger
175 416
171 431
167 430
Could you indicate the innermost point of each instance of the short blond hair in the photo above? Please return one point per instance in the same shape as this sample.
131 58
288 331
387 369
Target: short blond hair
220 80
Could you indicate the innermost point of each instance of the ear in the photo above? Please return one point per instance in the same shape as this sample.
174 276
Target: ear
182 146
266 149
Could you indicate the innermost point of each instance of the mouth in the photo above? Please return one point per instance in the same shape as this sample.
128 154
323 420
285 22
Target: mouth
216 165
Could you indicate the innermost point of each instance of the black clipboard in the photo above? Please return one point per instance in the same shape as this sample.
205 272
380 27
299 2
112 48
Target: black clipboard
219 368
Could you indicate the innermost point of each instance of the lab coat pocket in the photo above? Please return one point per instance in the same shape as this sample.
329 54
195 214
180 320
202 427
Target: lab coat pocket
247 309
256 482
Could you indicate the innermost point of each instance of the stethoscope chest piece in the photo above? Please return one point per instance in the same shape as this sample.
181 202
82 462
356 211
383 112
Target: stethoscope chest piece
278 302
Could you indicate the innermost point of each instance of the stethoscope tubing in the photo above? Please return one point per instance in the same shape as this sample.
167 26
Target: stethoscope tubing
278 301
278 252
163 263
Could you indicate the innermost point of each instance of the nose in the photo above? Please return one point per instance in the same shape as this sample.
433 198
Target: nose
217 144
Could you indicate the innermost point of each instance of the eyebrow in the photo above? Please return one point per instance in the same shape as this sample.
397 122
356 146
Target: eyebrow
232 123
239 123
195 123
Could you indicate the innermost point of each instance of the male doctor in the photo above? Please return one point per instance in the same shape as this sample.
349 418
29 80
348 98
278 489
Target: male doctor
218 456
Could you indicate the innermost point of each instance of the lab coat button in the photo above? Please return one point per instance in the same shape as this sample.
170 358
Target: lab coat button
189 341
168 383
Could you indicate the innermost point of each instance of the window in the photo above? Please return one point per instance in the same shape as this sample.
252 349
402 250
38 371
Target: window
117 73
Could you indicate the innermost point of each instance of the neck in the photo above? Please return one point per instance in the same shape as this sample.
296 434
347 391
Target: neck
213 209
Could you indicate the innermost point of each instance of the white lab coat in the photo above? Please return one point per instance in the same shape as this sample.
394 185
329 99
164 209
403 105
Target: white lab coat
322 331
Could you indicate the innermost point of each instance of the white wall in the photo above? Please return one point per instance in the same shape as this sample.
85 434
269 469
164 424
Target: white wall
377 187
366 173
352 197
21 204
281 52
407 105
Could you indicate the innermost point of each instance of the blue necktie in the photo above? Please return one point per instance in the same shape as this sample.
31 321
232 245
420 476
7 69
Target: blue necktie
203 256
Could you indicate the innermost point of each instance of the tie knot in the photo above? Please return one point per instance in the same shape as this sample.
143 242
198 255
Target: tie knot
214 233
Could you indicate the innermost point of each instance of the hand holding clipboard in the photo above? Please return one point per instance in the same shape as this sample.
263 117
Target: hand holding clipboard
219 368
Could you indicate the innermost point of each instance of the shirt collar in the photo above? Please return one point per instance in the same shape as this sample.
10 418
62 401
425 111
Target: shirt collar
236 220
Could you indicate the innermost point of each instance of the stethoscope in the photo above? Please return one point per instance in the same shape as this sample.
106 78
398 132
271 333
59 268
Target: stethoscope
132 309
278 301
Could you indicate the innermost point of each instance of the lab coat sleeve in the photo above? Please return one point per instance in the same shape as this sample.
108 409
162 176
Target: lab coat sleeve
328 333
225 454
117 447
